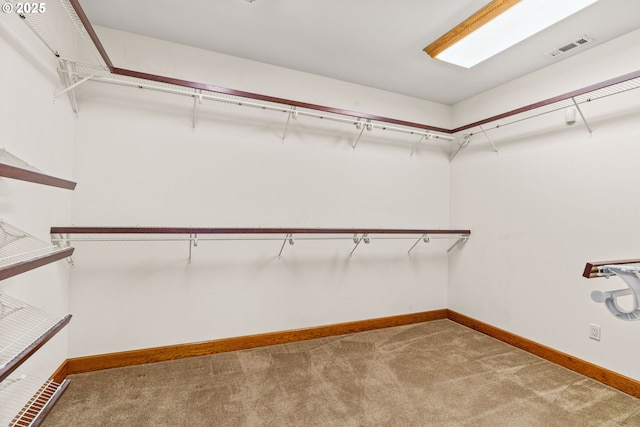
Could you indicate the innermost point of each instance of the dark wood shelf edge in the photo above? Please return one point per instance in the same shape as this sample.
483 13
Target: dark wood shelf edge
21 267
15 172
35 346
591 268
201 230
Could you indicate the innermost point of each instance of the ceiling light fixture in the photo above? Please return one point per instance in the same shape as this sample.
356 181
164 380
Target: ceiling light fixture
498 26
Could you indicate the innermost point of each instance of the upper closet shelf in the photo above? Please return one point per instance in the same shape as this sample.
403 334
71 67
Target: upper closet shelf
21 252
23 330
16 168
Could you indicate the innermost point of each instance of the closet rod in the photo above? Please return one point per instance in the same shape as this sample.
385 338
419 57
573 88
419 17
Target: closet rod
200 230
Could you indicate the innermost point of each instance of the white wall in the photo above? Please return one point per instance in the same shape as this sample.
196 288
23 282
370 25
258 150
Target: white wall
139 162
551 200
40 131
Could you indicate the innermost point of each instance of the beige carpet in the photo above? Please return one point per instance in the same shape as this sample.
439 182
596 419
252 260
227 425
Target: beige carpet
430 374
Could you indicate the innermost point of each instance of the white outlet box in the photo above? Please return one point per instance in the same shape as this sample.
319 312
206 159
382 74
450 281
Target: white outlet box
594 332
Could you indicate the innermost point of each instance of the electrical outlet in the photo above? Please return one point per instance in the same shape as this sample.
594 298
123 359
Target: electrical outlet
594 332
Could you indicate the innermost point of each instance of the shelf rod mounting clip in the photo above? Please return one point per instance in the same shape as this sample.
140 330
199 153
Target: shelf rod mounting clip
364 238
457 242
287 238
424 237
361 127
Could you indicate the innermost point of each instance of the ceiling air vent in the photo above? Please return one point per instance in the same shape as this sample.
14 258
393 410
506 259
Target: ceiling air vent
569 47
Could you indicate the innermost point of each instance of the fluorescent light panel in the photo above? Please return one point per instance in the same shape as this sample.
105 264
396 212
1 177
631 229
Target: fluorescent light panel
516 21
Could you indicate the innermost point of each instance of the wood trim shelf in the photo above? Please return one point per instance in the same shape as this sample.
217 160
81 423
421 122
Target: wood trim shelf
25 353
24 266
591 268
15 172
202 230
15 168
21 252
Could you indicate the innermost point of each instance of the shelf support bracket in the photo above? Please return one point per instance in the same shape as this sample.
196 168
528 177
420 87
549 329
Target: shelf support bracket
361 127
416 147
586 124
287 238
63 242
463 143
293 114
460 240
193 242
357 241
197 99
423 237
64 72
70 88
488 138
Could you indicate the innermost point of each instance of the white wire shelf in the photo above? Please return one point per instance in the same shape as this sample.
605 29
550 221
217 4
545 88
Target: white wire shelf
21 252
25 401
12 166
23 330
60 29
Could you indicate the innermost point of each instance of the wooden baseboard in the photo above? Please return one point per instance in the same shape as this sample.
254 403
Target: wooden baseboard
605 376
98 362
61 373
158 354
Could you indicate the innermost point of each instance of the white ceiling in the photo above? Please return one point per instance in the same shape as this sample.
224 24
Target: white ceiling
375 43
